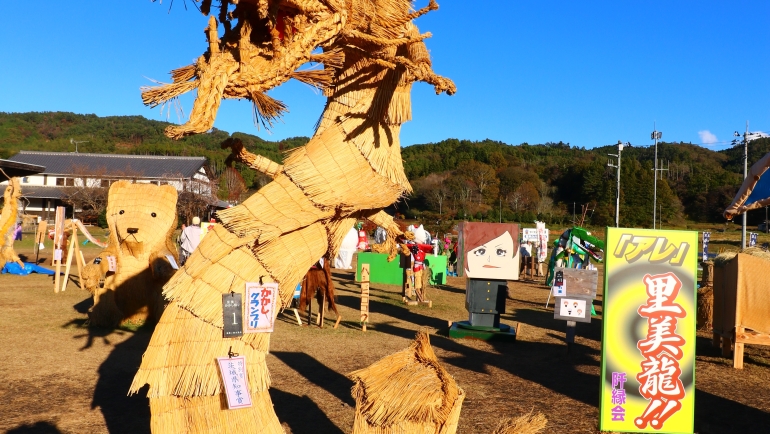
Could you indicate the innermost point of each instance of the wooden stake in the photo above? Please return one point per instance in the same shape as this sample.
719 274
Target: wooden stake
364 295
738 351
78 256
570 334
70 254
57 241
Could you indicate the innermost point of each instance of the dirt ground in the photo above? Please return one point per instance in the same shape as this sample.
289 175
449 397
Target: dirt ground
60 376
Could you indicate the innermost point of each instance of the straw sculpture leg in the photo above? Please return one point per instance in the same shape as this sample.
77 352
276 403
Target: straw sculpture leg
350 169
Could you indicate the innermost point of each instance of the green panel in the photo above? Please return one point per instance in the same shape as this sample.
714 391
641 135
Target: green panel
437 266
389 273
380 270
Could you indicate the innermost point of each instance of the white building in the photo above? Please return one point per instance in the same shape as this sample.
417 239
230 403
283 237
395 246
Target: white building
44 190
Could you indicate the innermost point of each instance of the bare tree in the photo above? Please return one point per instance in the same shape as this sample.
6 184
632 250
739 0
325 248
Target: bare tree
482 175
87 193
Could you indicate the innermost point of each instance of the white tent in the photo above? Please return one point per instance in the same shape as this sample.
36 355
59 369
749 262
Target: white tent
347 249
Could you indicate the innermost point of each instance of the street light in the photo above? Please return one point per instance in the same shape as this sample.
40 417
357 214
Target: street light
617 200
655 135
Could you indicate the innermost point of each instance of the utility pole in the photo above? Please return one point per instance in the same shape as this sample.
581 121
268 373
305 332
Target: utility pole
617 200
745 174
655 135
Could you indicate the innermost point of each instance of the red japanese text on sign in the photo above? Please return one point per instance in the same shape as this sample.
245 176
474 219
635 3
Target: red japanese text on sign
659 380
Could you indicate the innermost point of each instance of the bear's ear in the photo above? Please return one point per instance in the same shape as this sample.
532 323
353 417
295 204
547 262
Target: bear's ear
117 185
169 193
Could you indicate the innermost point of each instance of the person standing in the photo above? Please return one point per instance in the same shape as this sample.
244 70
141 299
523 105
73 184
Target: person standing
190 238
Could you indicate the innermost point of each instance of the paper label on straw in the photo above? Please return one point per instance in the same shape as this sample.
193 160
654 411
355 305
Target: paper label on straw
262 303
172 261
57 255
233 370
232 315
112 264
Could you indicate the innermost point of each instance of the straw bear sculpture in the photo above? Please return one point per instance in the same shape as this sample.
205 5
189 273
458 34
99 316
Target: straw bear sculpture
350 169
141 220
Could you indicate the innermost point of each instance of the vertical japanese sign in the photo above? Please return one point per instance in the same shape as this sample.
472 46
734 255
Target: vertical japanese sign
752 239
648 342
233 371
706 238
260 311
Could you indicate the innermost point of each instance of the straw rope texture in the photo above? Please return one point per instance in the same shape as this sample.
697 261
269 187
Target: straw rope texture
406 392
133 291
8 218
350 169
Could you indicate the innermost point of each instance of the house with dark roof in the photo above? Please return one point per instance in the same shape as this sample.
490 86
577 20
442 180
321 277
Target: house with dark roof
65 170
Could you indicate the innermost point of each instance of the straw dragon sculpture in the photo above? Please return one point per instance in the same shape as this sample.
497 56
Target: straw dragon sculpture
352 168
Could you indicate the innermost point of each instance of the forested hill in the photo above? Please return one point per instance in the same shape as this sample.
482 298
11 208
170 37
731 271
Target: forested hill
57 132
453 177
546 181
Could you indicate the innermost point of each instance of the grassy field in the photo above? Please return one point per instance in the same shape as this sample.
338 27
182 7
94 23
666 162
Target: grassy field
62 376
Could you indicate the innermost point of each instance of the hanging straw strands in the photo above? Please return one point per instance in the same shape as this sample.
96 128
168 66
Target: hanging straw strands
406 392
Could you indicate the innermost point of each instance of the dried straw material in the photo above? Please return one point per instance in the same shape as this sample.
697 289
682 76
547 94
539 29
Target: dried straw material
142 220
723 258
350 169
8 218
406 392
526 424
705 316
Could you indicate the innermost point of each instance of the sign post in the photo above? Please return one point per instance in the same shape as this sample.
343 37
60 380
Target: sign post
706 238
648 344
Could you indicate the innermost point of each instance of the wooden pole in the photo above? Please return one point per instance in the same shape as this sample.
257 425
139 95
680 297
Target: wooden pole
570 334
70 254
78 256
364 295
57 241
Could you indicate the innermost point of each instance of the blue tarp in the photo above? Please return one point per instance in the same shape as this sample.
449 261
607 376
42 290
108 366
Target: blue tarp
29 267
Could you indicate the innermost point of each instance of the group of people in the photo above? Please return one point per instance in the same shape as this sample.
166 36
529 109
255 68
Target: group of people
532 250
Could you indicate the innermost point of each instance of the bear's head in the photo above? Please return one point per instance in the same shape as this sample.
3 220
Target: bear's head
141 217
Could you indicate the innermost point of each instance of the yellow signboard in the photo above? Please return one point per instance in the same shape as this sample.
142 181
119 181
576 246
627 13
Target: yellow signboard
648 343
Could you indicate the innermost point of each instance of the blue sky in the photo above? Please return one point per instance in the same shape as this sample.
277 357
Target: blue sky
588 73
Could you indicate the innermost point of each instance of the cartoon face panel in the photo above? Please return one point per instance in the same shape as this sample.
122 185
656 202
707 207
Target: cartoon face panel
490 251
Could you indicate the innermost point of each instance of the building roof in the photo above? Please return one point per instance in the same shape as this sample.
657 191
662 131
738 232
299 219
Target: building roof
41 191
17 169
113 165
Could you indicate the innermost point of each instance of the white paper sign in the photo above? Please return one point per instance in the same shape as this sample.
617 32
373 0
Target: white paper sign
57 255
112 264
560 290
573 307
233 370
261 303
529 234
172 261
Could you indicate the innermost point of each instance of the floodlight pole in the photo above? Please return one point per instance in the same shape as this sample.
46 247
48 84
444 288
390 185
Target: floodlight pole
655 135
617 199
